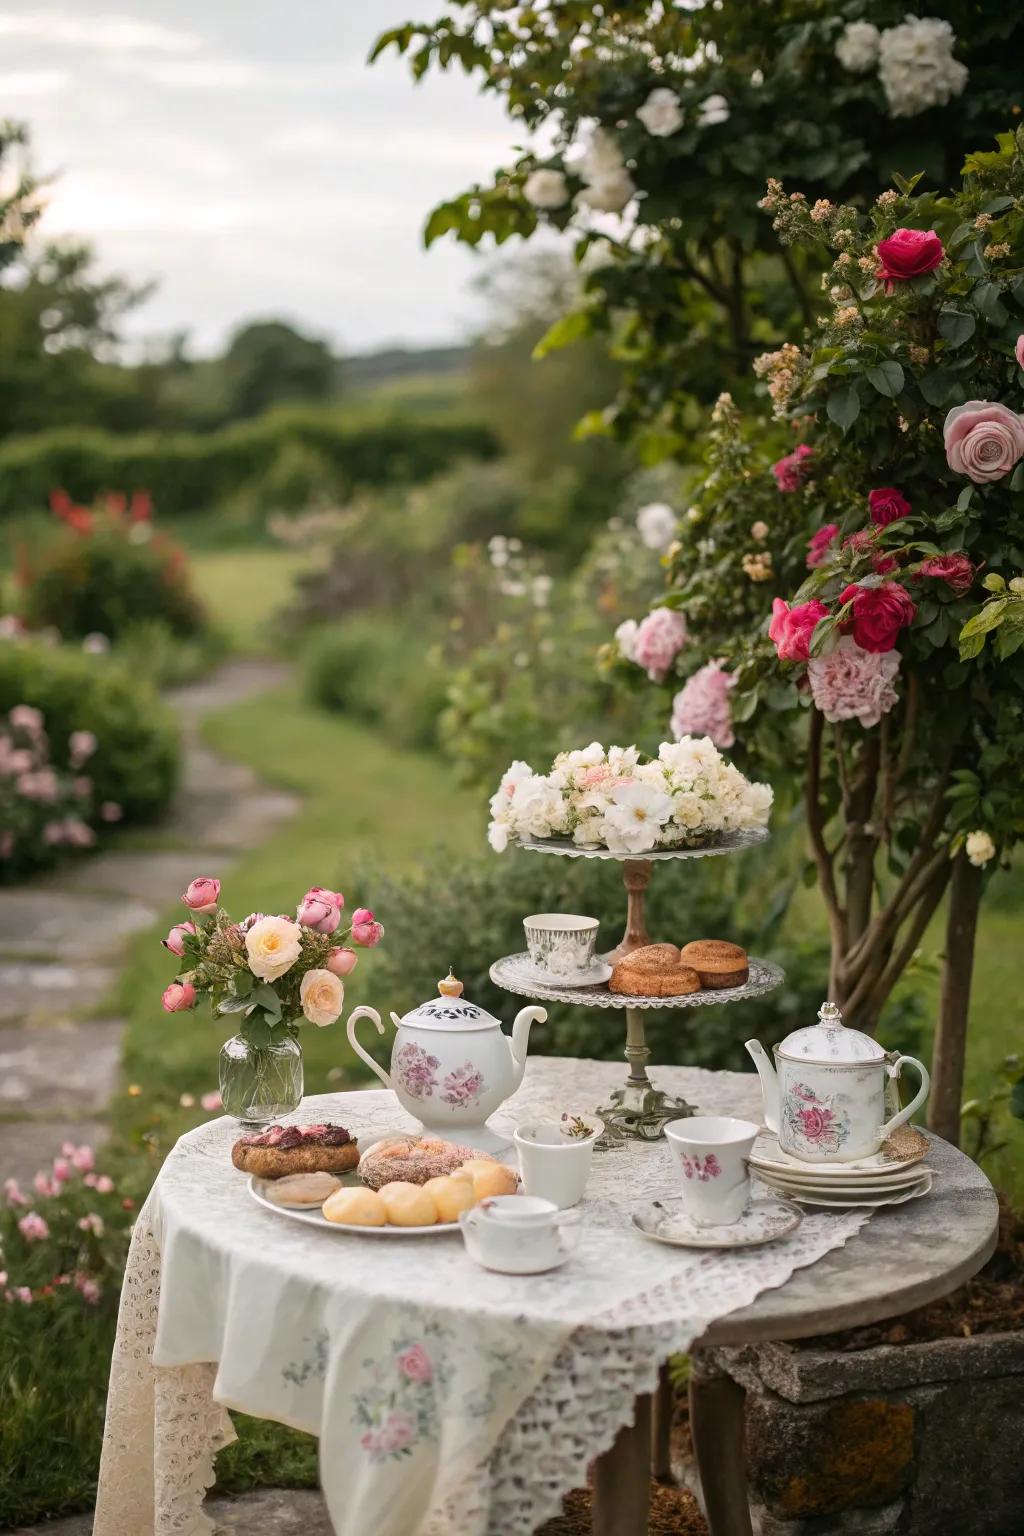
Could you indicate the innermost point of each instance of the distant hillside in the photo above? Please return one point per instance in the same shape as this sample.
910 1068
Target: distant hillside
371 368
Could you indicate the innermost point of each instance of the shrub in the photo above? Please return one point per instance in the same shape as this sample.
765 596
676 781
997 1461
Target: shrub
376 669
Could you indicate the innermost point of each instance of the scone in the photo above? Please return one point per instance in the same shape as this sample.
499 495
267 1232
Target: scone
412 1159
654 971
451 1194
408 1205
489 1177
718 963
301 1189
356 1208
286 1149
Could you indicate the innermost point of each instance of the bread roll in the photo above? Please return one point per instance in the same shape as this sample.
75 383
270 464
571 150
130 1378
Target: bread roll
408 1205
490 1178
356 1208
718 963
653 971
451 1194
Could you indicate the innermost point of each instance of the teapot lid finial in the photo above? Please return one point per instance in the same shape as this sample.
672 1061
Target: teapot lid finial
830 1016
450 986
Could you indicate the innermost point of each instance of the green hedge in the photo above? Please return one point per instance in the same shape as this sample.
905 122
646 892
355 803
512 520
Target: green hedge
188 471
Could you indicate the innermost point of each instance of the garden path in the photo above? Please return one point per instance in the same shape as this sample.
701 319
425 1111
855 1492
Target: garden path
61 937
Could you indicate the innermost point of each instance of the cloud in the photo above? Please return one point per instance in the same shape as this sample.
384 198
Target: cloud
108 31
209 74
32 82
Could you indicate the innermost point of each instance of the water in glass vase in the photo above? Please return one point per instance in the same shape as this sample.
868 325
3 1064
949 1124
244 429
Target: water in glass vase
260 1083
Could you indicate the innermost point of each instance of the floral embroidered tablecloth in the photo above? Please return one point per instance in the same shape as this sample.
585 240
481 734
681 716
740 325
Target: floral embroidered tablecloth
449 1401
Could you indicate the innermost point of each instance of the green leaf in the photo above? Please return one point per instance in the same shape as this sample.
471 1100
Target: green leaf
985 619
1016 481
887 378
1017 1099
906 184
241 983
844 406
266 998
257 1030
956 326
234 1005
963 501
988 301
993 582
566 329
940 387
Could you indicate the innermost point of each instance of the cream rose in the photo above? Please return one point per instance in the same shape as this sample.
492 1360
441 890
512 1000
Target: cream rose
272 945
322 995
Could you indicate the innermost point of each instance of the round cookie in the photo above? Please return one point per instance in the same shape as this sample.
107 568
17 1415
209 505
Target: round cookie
408 1205
718 963
451 1194
356 1208
301 1189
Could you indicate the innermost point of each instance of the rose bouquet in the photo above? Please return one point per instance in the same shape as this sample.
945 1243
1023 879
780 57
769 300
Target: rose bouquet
271 974
614 799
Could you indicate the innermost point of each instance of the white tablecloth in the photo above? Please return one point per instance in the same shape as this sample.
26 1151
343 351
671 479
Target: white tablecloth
449 1401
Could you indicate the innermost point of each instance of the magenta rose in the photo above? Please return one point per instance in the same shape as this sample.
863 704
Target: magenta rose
414 1363
1018 350
983 440
955 570
365 928
342 962
175 940
791 628
660 636
887 505
814 1122
202 895
878 614
819 544
908 253
791 472
320 909
178 997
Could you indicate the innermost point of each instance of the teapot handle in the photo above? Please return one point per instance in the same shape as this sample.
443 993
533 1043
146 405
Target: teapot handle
366 1013
918 1099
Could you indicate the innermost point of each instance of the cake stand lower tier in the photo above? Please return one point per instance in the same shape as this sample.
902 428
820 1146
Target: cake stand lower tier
638 1109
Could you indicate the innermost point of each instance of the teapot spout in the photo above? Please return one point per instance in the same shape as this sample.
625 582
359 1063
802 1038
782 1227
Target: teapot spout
520 1042
769 1083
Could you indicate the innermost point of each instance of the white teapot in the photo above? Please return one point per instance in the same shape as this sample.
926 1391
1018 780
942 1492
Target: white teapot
451 1065
827 1103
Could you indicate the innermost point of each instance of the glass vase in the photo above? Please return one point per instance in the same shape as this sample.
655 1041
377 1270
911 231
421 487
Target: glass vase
260 1083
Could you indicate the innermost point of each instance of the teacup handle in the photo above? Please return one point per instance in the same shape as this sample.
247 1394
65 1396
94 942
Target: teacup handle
566 1221
922 1093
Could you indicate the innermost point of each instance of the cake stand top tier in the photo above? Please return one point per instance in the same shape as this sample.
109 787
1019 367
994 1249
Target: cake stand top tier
721 842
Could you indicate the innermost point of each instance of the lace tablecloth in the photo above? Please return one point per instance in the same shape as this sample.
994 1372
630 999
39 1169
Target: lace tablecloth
449 1401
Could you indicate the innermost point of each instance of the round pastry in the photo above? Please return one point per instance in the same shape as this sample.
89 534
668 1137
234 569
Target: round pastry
654 971
414 1159
356 1207
408 1205
286 1149
451 1193
301 1189
718 963
490 1178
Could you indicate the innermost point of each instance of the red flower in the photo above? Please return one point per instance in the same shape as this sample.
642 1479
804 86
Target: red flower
908 253
878 614
815 1123
818 545
863 541
887 505
955 570
791 628
791 472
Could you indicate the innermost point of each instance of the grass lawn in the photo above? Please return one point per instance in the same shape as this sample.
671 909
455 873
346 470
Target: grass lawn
243 589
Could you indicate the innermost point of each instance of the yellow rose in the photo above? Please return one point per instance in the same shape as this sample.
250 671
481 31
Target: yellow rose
273 946
322 995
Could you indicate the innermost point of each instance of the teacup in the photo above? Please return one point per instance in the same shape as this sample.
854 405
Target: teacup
711 1152
554 1164
519 1234
561 943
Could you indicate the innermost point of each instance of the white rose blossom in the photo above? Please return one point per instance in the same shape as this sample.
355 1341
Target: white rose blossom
979 848
712 111
609 186
656 524
857 48
546 188
916 66
661 113
625 637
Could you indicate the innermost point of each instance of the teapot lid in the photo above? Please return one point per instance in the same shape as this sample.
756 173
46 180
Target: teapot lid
830 1041
450 1010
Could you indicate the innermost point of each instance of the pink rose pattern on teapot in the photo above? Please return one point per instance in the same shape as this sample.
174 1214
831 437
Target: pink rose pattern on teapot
416 1071
815 1123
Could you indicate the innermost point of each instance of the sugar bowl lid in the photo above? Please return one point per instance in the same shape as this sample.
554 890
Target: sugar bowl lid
830 1041
450 1010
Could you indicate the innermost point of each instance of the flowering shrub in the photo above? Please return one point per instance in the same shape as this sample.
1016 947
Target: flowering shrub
42 807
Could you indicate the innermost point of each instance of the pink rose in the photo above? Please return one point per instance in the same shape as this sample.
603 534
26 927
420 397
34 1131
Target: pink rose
341 961
791 628
211 1101
983 440
1018 350
819 544
863 541
33 1228
12 1190
25 717
887 505
791 472
88 1288
878 614
955 570
104 1184
365 928
202 895
81 746
415 1364
175 940
813 1123
83 1158
61 1169
701 707
660 636
908 253
320 909
110 811
178 997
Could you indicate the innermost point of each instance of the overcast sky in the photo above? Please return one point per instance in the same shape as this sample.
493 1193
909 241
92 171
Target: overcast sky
241 153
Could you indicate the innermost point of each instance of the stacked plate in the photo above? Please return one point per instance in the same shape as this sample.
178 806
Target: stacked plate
876 1180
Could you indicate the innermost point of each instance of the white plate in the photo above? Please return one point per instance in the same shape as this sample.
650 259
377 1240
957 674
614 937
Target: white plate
313 1216
862 1182
596 976
767 1154
835 1200
665 1221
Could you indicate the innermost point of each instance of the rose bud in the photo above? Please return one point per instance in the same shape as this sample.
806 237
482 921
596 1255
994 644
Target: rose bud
341 961
365 928
202 895
175 940
320 909
178 997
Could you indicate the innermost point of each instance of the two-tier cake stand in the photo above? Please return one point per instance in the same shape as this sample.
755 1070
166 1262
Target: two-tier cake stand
638 1109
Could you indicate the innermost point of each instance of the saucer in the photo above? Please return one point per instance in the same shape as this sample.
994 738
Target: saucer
846 1200
595 976
767 1155
665 1221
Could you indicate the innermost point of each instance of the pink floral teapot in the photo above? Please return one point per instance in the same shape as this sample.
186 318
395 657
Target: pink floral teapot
451 1064
827 1103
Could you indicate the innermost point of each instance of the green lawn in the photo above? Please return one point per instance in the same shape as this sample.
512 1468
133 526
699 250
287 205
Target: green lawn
243 589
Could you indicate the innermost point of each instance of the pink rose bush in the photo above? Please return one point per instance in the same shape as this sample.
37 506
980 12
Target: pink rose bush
792 471
848 683
701 707
67 1246
955 570
42 806
878 614
908 253
660 636
983 440
791 628
819 545
887 505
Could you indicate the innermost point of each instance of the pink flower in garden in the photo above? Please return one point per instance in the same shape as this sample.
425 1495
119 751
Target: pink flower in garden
6 844
91 1223
852 684
44 1185
83 1158
62 1169
178 997
320 909
88 1288
887 505
32 1227
983 439
1018 350
878 614
955 570
660 636
110 811
791 471
341 961
415 1364
22 1293
701 707
202 895
187 1100
25 717
791 628
77 833
175 940
211 1101
40 786
864 542
81 746
908 253
365 928
13 1191
819 544
104 1184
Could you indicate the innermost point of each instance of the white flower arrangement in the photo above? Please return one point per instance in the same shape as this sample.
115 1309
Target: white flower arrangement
609 798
